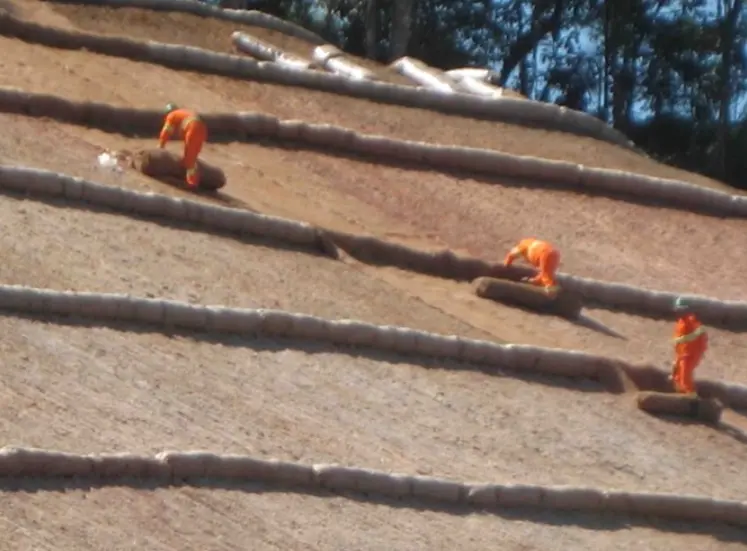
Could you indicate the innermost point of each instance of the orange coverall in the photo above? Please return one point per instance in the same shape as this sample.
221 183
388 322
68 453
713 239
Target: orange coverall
192 129
690 344
542 256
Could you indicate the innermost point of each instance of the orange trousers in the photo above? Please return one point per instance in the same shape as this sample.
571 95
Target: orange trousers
683 371
548 265
194 138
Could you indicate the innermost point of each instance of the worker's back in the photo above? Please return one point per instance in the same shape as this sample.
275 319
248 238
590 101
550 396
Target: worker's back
535 249
177 118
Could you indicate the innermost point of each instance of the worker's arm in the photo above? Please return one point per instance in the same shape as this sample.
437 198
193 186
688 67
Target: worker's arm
166 131
511 256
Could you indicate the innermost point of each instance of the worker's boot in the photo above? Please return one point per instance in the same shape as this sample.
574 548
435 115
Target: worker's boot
193 178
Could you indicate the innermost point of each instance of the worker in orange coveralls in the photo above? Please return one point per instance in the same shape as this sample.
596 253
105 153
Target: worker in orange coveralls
542 256
188 125
690 344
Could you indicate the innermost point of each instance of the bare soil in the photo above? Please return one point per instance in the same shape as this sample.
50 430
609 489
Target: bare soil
89 389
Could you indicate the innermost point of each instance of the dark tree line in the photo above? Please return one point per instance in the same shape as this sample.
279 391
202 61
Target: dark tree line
671 74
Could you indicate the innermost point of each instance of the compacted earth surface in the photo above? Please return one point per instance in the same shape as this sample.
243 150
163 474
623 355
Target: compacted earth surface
90 389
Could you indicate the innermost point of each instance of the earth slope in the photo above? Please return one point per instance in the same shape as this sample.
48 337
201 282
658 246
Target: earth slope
93 389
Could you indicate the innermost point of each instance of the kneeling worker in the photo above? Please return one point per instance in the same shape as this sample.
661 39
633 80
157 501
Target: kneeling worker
189 126
543 256
690 345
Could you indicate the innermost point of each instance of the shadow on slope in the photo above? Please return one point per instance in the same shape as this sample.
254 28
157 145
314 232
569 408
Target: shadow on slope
596 521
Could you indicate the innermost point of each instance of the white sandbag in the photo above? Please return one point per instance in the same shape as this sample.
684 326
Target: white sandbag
522 357
519 495
569 498
16 297
732 512
384 484
341 478
295 232
330 135
289 473
11 461
571 363
618 502
97 306
478 87
311 327
224 219
336 477
354 333
234 320
192 464
321 54
32 181
126 307
474 73
439 346
348 69
259 124
277 322
260 49
102 195
480 351
333 60
397 339
291 129
116 465
256 224
549 170
63 303
674 506
238 467
437 489
72 188
149 310
420 73
483 495
188 316
194 212
44 463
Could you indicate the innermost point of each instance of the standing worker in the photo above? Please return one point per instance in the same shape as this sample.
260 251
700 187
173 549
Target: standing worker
690 344
542 256
192 129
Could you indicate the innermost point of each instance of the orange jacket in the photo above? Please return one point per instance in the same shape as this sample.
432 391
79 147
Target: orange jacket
690 336
533 250
179 120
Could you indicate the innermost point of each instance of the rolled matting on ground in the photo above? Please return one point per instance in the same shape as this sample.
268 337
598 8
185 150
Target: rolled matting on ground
564 303
659 403
167 167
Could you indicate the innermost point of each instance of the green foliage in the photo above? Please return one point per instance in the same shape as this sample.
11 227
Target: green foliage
672 74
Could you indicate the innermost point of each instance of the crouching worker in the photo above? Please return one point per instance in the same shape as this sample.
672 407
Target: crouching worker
543 256
690 344
189 126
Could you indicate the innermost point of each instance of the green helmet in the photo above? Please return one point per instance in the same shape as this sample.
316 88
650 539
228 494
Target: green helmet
171 107
680 304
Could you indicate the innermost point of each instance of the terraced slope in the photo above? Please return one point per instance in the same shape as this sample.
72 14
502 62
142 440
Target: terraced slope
113 388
